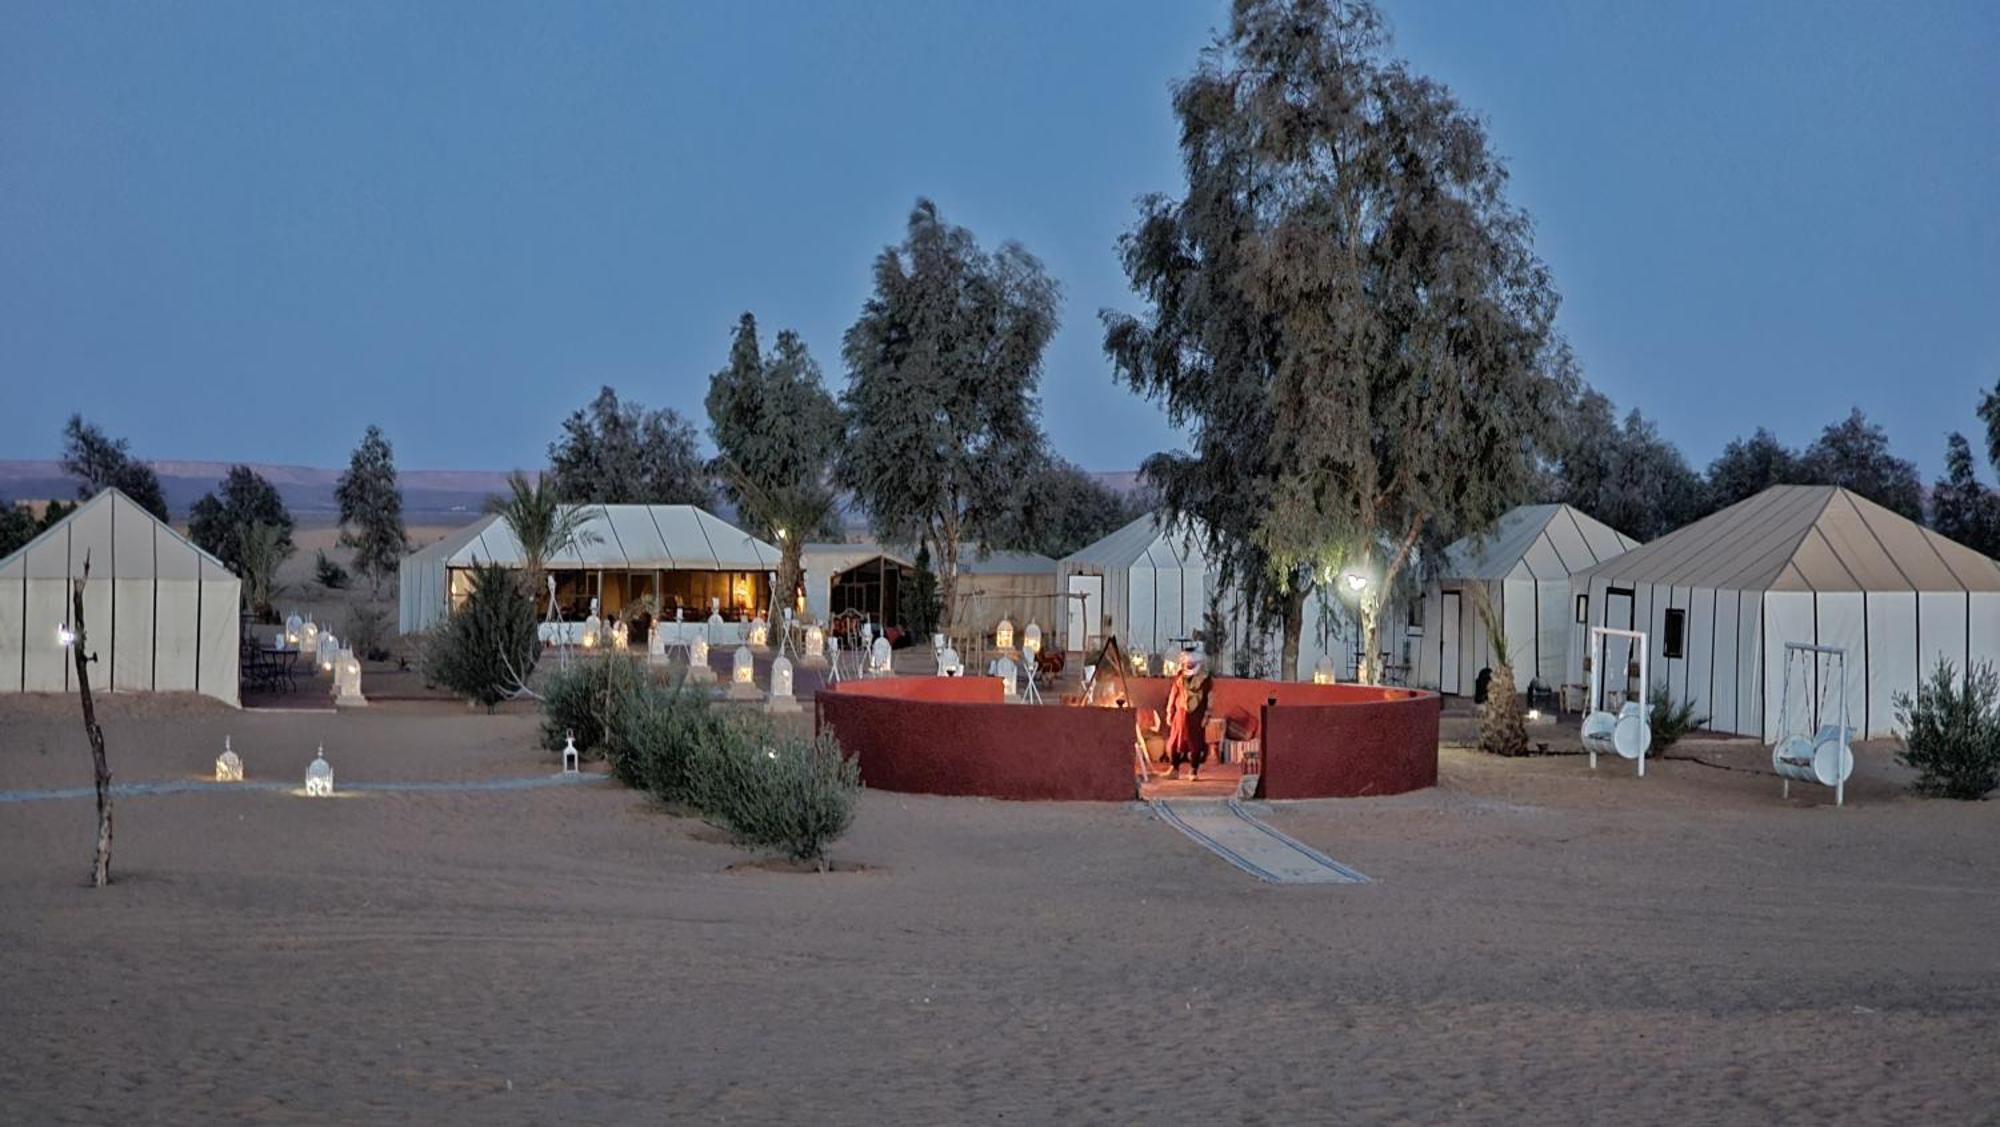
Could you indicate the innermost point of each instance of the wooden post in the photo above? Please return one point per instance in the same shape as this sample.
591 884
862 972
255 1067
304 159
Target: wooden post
100 864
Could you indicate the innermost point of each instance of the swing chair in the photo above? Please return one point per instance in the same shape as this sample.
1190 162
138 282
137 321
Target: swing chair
1812 750
1626 733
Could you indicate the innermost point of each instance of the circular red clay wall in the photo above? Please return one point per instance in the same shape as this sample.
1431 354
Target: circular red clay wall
954 735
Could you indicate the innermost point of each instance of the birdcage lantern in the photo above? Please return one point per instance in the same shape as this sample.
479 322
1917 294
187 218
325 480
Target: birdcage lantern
293 625
1141 664
570 756
228 767
881 658
309 638
1323 671
1003 635
781 698
329 649
319 776
1010 676
760 634
1031 639
620 635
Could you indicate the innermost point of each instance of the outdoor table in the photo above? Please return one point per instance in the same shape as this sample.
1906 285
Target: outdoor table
285 660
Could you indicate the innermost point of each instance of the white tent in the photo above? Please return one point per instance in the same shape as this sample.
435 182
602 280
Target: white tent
624 540
1796 563
161 614
1525 565
825 563
1145 583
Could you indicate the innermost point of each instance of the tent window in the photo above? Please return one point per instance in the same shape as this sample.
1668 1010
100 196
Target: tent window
1675 642
1583 608
1416 621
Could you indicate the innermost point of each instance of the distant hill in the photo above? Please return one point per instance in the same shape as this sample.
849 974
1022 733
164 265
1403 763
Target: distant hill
429 496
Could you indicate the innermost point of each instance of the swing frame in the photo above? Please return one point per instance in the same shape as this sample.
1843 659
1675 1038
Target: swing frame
1798 651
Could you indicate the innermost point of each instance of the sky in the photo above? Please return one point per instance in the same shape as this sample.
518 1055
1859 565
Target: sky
247 231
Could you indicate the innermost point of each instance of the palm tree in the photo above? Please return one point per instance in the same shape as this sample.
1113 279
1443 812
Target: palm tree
544 526
1503 726
263 548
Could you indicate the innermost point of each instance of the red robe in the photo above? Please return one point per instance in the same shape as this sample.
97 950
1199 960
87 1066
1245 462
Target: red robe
1187 718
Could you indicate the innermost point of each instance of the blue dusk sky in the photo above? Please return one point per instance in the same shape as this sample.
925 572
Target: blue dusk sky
246 231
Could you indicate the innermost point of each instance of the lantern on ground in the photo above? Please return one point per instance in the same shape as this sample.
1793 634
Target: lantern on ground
1139 663
570 754
1003 635
293 625
699 671
867 635
948 663
1170 664
329 648
319 776
1031 639
228 768
593 631
347 682
309 638
620 634
882 658
781 698
743 675
760 634
1009 675
815 652
1323 671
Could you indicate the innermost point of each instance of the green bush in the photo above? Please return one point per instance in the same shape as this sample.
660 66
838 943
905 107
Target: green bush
486 648
367 626
580 700
1670 722
1951 731
783 792
327 573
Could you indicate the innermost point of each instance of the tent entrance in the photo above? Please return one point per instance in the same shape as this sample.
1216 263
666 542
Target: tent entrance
1448 644
873 589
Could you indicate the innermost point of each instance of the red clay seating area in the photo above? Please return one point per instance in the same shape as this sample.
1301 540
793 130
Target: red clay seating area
954 735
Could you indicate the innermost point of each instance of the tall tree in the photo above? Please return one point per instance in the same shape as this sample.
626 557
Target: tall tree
776 429
100 462
542 525
1063 508
1346 313
216 522
1854 454
1626 475
371 509
942 370
1961 507
1748 466
619 453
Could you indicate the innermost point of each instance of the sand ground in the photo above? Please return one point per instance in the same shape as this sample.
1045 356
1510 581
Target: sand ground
1541 944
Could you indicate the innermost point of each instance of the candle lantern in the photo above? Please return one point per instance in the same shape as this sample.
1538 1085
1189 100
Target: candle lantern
781 699
882 659
1003 635
293 625
228 768
347 682
319 776
1140 664
743 675
700 672
760 634
620 634
1009 674
593 630
948 663
570 755
329 648
309 638
1031 639
815 652
1323 671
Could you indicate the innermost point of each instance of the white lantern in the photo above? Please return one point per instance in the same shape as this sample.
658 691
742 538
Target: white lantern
815 651
329 648
743 675
570 755
228 768
1139 662
948 663
1323 671
319 776
1003 635
293 625
781 698
760 634
620 634
347 682
593 629
882 658
699 671
1009 675
309 638
1170 664
1031 639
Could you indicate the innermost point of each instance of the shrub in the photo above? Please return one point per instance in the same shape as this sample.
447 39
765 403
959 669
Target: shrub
578 700
1951 731
366 627
784 792
1503 721
485 649
1670 722
327 573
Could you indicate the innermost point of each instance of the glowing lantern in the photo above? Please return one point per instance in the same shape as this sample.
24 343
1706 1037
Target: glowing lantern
329 648
760 634
1323 671
948 663
781 698
228 768
1003 635
309 638
1170 664
593 629
743 675
347 681
1031 639
620 634
293 625
570 754
867 635
1139 662
699 671
815 652
65 637
319 776
1009 674
882 659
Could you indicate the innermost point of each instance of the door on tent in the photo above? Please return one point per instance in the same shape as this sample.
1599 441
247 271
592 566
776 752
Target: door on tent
1618 653
1085 612
1448 678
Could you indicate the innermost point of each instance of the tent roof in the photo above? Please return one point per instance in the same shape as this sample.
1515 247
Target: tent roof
1144 542
972 563
1806 538
1007 563
636 537
168 554
1548 541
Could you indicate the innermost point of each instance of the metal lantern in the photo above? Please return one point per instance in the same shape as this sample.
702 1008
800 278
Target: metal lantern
1003 635
781 698
760 633
1140 664
293 625
329 648
1323 671
1031 639
882 658
228 768
309 638
570 755
1009 675
593 629
743 675
319 776
620 634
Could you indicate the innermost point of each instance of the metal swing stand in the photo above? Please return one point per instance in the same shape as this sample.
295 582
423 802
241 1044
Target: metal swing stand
1785 757
1597 735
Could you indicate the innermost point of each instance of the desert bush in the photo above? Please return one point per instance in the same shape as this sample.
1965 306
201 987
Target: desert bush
1670 722
577 701
1951 731
487 647
328 573
782 792
367 627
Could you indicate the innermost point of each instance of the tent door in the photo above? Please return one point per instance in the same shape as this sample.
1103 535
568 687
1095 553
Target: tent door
1448 678
1086 612
1617 653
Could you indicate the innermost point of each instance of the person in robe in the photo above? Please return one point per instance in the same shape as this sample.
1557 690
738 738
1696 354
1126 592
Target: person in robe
1187 715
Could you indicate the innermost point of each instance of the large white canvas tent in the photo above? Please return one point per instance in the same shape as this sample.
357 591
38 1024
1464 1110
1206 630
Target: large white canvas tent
677 554
1145 583
1721 597
1525 564
161 614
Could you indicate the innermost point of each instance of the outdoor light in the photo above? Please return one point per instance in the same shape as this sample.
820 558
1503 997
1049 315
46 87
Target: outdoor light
1003 635
760 633
1009 674
329 652
570 754
1169 665
815 651
347 680
1355 581
309 638
1139 663
620 634
948 663
699 671
1031 639
65 637
781 699
743 675
228 768
319 776
293 625
1534 715
592 626
1323 671
882 658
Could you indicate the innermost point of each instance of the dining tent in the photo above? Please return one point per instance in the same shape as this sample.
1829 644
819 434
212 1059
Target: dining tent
679 555
1147 584
1796 563
1525 566
161 615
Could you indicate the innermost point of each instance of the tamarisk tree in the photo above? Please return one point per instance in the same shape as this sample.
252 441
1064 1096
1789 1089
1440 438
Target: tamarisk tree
1346 314
371 509
942 368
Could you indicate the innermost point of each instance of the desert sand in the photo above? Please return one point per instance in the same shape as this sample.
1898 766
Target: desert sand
1540 944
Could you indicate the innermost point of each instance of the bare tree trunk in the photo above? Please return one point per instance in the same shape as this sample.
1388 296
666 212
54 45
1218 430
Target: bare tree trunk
790 564
1295 621
100 863
948 582
1369 671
